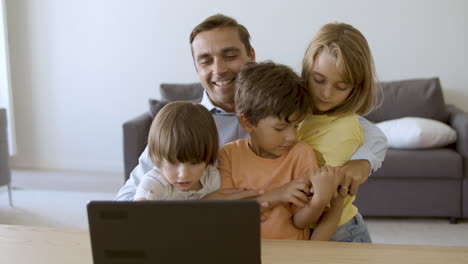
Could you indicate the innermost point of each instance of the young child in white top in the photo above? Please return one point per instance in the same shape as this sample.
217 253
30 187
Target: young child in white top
183 144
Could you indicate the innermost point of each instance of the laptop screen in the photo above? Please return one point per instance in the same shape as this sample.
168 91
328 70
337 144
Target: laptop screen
175 231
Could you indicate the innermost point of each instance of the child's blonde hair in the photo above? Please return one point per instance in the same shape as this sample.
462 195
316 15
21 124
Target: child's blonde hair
353 60
183 132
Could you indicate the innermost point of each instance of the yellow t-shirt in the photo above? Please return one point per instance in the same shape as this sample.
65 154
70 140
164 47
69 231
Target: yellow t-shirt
334 139
240 167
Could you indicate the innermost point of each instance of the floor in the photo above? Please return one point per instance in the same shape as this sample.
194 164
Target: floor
418 231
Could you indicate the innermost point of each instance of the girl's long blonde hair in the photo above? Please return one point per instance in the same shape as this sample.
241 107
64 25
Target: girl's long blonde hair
353 60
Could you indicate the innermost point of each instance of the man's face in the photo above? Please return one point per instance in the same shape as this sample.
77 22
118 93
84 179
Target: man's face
219 55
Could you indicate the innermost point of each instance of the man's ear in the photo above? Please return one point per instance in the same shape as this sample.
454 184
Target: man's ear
195 64
252 55
245 124
193 58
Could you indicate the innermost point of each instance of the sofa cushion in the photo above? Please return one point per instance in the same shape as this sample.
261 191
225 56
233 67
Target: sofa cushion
156 105
181 92
417 98
443 163
170 92
417 133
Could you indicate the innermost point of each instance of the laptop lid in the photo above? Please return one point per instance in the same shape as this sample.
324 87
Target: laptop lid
176 232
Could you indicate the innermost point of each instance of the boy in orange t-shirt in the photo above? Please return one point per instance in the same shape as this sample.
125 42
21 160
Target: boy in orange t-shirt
270 102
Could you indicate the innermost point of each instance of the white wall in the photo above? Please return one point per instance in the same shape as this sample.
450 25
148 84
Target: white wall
82 68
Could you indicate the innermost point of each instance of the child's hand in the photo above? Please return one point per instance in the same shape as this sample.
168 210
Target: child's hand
295 192
324 184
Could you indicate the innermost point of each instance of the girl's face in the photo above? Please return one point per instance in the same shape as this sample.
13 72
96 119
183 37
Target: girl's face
326 85
183 176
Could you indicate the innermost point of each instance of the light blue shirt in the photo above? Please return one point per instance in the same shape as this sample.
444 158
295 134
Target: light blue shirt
374 147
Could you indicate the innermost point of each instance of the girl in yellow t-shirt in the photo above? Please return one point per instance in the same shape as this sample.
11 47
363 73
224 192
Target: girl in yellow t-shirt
339 72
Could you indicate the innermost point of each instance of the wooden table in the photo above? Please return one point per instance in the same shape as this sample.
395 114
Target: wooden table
26 244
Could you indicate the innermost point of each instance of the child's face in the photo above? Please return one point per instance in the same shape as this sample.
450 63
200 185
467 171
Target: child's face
326 85
272 136
183 176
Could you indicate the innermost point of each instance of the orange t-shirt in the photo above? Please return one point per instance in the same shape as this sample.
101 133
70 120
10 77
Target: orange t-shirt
240 167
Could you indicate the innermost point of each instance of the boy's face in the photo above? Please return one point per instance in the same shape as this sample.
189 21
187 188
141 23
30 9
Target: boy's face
219 55
183 176
272 136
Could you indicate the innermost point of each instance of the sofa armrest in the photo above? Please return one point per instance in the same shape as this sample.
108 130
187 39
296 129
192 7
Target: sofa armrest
135 139
5 173
459 121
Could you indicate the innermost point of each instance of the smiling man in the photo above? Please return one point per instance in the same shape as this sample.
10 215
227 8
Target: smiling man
220 47
219 54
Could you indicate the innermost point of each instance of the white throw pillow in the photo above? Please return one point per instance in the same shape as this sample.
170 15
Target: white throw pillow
416 132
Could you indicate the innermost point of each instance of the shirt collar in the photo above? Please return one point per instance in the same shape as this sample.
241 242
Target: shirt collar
208 104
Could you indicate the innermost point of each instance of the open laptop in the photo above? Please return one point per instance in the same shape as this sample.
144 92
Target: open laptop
176 232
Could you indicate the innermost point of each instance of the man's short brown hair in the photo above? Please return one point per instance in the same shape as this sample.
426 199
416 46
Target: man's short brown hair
183 132
219 21
269 89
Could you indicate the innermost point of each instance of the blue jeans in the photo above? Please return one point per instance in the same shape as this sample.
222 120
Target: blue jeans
355 230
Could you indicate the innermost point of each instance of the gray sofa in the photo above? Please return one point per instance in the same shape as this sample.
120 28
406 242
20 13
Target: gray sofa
411 183
5 173
424 182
